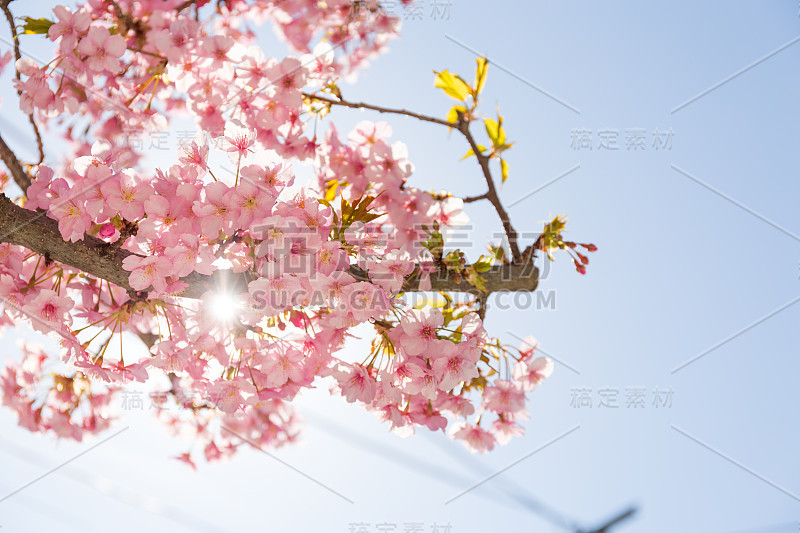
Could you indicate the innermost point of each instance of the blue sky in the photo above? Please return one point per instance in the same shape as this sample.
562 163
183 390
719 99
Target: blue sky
696 243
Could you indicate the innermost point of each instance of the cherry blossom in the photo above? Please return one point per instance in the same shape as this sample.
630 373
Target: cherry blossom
102 49
247 281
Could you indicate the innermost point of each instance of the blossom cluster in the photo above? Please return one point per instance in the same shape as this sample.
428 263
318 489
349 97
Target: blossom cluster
68 405
323 260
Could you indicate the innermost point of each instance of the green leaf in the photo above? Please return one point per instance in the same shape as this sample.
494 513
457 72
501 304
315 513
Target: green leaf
480 75
483 264
34 26
452 85
498 253
474 279
504 170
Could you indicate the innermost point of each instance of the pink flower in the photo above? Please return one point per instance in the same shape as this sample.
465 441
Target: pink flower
356 383
475 438
96 167
125 195
69 26
190 255
504 397
237 140
38 193
48 311
360 301
530 372
145 271
195 154
505 430
390 272
529 346
185 457
450 212
458 405
407 369
251 202
419 329
282 367
368 133
5 59
452 367
330 258
215 213
230 396
73 219
107 231
288 78
102 49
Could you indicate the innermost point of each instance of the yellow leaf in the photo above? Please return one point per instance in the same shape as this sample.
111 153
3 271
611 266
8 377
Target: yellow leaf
452 85
501 133
480 75
452 115
330 190
504 170
34 26
495 131
492 128
481 149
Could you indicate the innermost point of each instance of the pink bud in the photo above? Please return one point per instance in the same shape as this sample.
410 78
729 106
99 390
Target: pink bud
107 230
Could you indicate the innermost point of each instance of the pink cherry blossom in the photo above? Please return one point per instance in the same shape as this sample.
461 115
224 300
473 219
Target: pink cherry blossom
355 382
69 27
418 329
147 271
531 372
504 397
475 438
300 269
102 49
238 140
48 311
125 195
452 366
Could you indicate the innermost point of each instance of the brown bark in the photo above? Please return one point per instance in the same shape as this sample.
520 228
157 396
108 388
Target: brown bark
39 233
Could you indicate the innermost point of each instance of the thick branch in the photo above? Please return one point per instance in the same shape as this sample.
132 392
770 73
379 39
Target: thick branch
21 177
39 233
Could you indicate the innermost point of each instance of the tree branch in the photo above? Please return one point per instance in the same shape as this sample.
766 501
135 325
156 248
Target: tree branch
21 177
379 109
39 233
462 126
18 56
470 199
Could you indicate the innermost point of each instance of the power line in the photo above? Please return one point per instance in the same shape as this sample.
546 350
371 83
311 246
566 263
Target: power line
168 512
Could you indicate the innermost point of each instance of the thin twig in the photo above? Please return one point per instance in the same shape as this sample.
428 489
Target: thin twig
18 56
379 109
463 126
470 199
